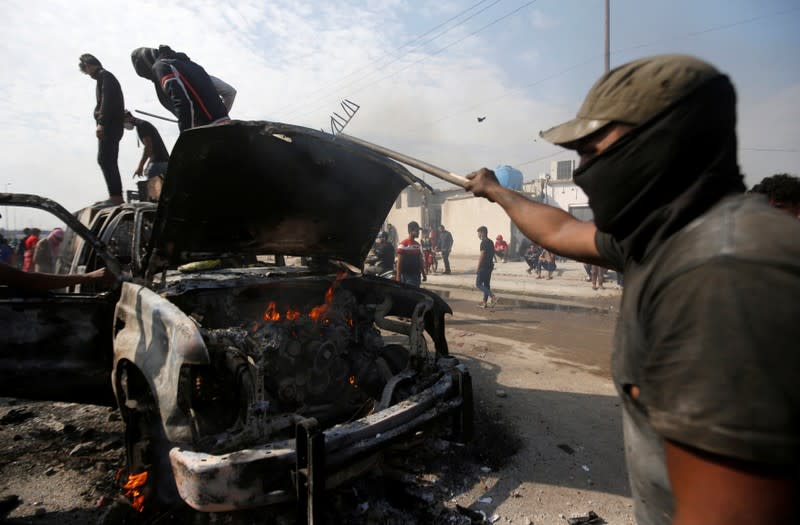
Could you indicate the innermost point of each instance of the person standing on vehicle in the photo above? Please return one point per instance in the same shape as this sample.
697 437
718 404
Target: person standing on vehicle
705 361
182 86
483 280
445 244
153 163
410 265
109 113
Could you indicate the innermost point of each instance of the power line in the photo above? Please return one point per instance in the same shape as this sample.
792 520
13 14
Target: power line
292 108
638 46
497 20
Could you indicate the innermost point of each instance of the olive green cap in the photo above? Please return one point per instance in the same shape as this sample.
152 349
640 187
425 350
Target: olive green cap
633 93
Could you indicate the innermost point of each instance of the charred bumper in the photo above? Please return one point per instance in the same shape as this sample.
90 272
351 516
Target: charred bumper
269 474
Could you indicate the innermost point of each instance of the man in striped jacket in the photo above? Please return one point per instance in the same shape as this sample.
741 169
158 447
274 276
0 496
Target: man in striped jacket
182 86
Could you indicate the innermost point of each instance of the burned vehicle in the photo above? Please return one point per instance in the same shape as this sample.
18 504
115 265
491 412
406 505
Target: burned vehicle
243 381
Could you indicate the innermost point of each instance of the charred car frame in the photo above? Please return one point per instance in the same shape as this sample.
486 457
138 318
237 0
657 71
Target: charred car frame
244 382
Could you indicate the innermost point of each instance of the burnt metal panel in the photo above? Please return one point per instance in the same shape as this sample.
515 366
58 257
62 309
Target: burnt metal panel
272 188
55 346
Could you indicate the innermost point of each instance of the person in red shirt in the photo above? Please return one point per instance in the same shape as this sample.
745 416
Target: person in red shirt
410 265
30 246
501 248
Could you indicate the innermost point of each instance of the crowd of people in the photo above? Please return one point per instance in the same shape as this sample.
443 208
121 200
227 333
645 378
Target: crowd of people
182 86
705 364
29 262
30 253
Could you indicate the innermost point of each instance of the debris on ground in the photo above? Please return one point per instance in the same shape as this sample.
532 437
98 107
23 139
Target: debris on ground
566 448
15 416
9 503
485 501
501 393
589 519
75 450
477 517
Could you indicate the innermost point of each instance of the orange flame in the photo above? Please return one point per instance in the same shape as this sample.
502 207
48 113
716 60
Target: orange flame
318 313
272 313
352 381
131 489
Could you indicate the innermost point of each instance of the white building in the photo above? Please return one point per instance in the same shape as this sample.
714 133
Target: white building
462 214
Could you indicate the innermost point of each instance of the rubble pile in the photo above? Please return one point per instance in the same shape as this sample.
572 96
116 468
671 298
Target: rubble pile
75 452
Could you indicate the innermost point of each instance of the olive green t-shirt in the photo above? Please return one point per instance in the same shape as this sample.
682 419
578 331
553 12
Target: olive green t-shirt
710 333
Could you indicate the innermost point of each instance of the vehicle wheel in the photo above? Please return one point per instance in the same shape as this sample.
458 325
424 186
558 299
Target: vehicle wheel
146 445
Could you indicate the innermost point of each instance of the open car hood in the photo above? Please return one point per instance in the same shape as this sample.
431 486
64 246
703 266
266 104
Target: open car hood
272 188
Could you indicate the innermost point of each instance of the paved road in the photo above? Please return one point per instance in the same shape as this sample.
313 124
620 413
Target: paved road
558 422
568 283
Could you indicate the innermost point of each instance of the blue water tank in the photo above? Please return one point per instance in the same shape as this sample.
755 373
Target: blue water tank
509 177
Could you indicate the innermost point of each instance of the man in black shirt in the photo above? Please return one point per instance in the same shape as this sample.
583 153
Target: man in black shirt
705 360
483 279
445 243
109 113
153 163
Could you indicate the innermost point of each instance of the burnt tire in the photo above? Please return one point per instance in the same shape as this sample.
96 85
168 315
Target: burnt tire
146 444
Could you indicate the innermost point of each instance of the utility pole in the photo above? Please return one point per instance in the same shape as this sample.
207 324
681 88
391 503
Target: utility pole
607 37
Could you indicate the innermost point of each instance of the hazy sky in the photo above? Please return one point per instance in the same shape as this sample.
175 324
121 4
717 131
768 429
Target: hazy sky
421 72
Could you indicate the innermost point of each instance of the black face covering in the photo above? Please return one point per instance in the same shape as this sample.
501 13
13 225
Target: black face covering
663 174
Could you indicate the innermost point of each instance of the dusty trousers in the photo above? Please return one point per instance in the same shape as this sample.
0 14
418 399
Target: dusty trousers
107 153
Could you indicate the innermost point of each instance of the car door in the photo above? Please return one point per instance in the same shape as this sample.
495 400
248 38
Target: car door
57 345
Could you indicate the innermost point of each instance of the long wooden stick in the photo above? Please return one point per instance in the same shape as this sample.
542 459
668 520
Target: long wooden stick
154 115
436 171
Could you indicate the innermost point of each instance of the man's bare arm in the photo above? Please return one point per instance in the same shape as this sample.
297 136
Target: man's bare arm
550 227
10 276
146 154
711 490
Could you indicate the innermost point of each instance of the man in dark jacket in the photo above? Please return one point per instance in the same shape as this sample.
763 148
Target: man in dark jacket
109 114
705 361
182 86
444 243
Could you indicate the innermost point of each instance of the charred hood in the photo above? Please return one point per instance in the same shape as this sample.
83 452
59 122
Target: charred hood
272 188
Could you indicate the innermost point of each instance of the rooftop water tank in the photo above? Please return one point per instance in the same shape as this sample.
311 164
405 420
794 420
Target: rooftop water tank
509 177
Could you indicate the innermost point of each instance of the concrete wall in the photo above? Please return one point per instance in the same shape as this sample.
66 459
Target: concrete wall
463 215
399 218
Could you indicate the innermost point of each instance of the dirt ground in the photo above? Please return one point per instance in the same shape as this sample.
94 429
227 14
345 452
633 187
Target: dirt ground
548 442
